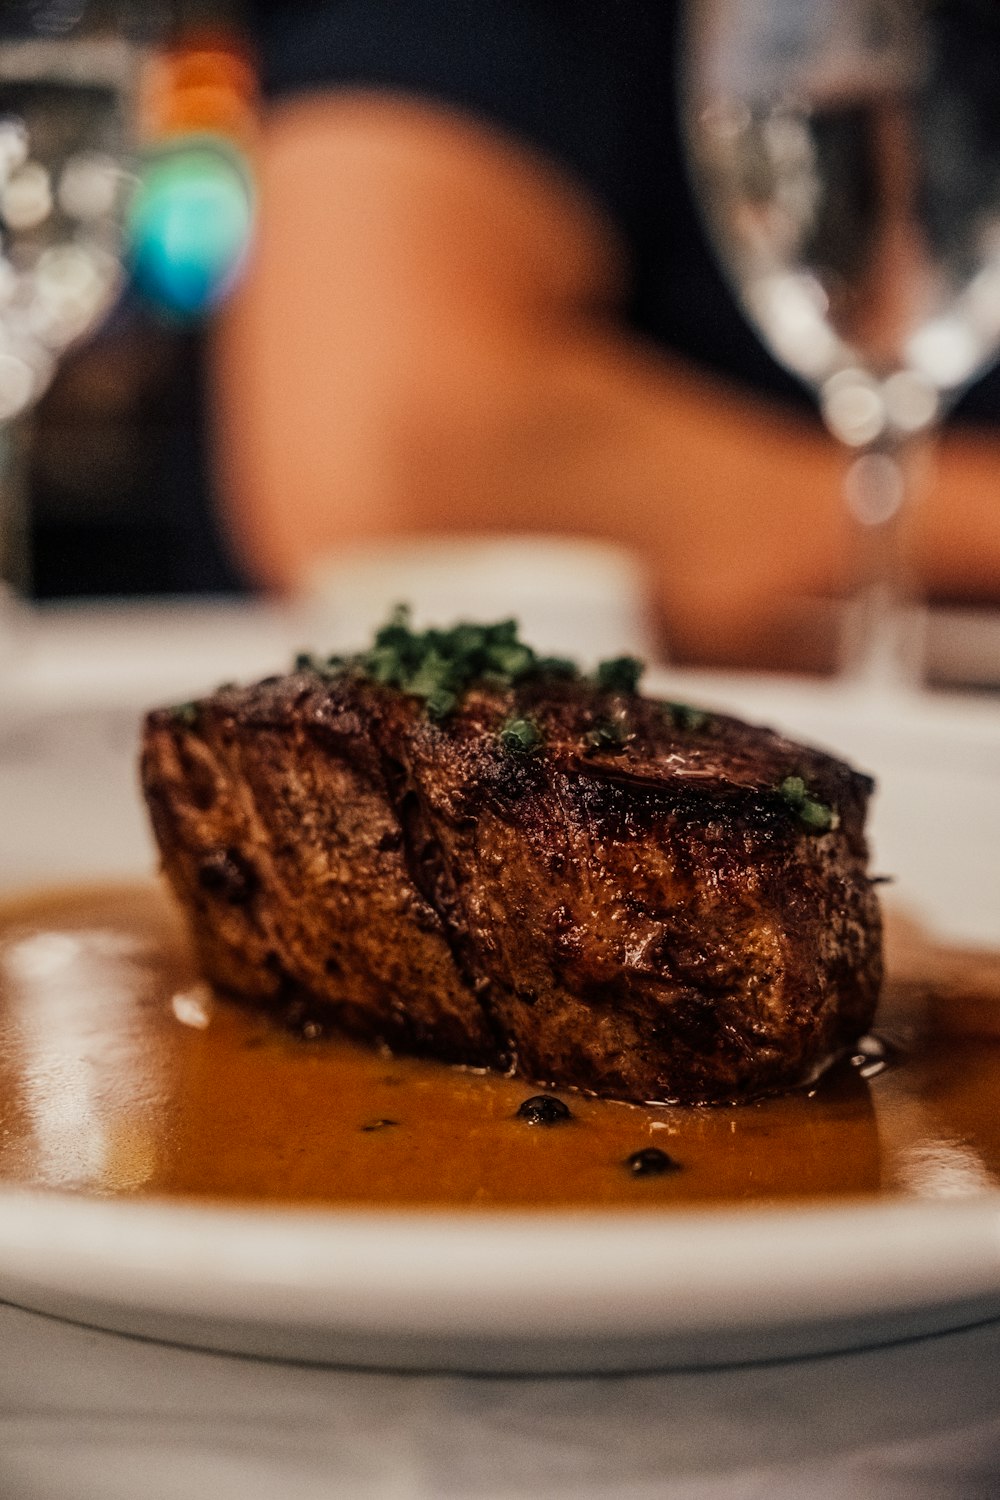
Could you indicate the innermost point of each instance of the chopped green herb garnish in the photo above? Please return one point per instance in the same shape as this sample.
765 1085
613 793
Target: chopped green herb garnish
557 666
608 734
384 664
327 666
511 660
439 665
520 736
813 814
817 816
431 676
441 702
185 713
620 674
685 717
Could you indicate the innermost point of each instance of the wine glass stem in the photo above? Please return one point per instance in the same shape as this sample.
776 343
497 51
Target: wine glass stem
882 647
14 548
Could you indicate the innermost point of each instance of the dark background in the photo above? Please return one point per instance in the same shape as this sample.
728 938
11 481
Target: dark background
120 498
120 495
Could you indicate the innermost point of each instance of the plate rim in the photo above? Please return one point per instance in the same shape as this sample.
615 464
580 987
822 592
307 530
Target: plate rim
531 1275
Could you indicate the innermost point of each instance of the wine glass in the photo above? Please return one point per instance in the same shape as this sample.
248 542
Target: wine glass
69 72
847 158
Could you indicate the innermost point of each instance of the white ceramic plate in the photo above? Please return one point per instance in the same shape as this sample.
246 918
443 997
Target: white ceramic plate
542 1292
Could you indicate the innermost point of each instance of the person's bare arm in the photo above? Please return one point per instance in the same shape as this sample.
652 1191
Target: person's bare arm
428 342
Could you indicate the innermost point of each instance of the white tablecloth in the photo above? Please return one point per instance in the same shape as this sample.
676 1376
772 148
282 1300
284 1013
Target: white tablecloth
86 1415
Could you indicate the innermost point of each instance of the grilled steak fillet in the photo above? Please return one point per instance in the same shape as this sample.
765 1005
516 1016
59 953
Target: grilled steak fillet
653 913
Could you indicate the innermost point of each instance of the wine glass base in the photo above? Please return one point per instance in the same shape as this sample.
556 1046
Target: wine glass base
883 643
15 621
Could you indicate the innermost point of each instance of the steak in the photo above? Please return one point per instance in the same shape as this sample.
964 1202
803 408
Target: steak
526 870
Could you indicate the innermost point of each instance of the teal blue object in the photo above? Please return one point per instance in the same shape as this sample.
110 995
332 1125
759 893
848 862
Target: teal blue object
190 225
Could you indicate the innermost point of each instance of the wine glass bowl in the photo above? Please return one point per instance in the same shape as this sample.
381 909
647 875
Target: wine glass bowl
64 186
847 159
69 74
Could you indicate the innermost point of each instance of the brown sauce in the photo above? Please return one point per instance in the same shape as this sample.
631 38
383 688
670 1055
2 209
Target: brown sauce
121 1074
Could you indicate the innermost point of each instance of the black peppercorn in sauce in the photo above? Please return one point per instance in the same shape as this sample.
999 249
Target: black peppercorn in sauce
122 1073
651 1162
544 1109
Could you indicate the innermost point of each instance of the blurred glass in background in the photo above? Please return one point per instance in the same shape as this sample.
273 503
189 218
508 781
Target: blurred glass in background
68 74
124 210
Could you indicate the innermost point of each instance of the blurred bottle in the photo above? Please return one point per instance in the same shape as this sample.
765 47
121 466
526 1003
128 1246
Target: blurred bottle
192 215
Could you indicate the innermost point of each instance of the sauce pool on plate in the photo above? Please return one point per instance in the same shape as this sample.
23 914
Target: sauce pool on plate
122 1074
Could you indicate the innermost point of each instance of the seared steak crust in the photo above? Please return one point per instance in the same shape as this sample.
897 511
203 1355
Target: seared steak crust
649 920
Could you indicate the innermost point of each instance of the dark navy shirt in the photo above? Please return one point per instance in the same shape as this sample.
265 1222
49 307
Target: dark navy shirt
593 84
